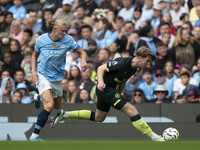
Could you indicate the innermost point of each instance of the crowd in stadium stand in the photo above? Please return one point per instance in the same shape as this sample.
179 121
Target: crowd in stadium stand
106 30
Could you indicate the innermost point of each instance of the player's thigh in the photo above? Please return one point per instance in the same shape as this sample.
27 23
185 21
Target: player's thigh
115 99
129 109
47 100
57 102
100 115
56 89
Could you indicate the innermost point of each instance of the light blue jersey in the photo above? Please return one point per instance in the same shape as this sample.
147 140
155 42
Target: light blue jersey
148 90
52 56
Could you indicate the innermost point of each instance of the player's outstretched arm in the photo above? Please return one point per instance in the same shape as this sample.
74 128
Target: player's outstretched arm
100 71
34 66
83 55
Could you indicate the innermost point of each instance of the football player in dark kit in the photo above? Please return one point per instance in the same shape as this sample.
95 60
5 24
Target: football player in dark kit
111 81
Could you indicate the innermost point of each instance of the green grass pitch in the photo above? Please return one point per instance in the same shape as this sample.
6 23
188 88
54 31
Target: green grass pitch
99 145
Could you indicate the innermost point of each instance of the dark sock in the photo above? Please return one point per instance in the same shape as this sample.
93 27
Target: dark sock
41 121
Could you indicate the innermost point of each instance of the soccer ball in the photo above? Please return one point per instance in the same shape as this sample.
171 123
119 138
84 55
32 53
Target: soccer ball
170 134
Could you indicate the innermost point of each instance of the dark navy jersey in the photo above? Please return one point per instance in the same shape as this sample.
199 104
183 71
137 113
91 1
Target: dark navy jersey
118 70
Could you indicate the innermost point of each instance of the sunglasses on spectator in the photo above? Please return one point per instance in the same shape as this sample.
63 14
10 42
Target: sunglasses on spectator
137 94
175 3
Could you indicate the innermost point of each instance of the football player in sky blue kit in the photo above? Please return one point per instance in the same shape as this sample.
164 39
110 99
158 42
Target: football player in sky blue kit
49 59
111 81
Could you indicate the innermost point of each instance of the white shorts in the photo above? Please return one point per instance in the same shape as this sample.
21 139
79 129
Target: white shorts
43 84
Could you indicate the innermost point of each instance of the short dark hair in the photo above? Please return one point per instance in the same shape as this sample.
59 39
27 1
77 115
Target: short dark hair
30 32
85 27
159 43
185 74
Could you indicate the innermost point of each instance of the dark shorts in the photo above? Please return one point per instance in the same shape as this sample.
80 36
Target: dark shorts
109 97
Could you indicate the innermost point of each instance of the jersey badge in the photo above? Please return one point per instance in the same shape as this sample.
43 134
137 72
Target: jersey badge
54 45
117 95
114 63
62 46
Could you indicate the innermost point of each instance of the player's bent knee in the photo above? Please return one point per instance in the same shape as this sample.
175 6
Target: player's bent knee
99 119
49 106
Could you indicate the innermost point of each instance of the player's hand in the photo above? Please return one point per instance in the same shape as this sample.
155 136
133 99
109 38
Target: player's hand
34 76
101 86
84 66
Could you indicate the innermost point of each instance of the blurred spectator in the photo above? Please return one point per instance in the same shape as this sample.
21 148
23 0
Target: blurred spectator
73 32
65 12
196 33
35 21
166 38
19 77
2 22
7 90
84 97
5 6
161 80
9 63
89 6
86 33
26 24
17 97
72 92
193 12
190 92
4 43
35 36
91 64
8 20
178 85
147 39
104 34
47 15
164 5
155 21
115 6
93 51
176 12
161 93
130 86
119 22
16 31
124 39
197 73
73 60
24 90
74 74
165 28
184 48
197 22
26 39
127 11
15 50
86 82
80 16
4 74
137 19
18 10
169 72
26 66
148 86
161 57
64 88
50 4
138 96
147 10
114 51
110 16
103 57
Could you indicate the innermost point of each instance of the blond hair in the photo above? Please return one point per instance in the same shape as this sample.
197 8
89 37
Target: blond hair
144 52
178 39
50 23
15 22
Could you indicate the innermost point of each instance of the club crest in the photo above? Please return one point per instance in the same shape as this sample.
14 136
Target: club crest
54 45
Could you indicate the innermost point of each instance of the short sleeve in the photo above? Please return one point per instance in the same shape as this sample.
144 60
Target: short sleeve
36 47
74 45
116 64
